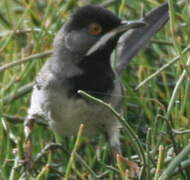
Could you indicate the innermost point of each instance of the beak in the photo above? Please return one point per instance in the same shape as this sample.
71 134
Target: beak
123 27
126 25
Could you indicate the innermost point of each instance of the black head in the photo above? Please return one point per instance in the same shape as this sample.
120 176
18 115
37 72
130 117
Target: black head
86 26
86 15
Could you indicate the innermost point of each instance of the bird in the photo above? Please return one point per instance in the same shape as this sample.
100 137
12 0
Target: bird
81 60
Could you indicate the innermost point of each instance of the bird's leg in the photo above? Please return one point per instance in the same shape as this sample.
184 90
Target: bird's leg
28 126
113 136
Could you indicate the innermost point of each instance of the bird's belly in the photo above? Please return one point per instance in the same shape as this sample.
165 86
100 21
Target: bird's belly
65 118
65 115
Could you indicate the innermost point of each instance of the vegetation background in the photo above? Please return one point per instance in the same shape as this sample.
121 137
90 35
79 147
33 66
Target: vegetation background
158 112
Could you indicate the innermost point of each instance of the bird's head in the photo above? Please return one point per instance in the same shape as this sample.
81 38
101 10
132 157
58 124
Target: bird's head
93 28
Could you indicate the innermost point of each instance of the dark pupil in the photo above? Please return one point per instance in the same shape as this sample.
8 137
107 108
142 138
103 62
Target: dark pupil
95 28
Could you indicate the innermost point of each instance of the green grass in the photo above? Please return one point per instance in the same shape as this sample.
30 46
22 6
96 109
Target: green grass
159 111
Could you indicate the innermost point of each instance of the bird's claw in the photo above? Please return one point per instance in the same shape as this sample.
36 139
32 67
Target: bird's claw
133 167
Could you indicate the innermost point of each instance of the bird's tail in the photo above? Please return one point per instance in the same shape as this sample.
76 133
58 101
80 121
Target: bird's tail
134 41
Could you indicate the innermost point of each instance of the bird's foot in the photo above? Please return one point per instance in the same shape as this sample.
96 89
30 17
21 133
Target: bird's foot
133 167
28 161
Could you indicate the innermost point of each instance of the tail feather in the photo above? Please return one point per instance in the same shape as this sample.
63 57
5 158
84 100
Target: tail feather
134 41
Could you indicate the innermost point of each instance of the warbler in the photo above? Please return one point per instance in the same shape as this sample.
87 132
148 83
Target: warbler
80 61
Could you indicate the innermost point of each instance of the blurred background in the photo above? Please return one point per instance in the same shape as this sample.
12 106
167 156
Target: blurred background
27 30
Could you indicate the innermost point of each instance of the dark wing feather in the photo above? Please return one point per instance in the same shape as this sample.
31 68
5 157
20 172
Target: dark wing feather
137 38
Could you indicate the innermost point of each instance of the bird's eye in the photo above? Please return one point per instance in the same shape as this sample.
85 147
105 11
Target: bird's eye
95 29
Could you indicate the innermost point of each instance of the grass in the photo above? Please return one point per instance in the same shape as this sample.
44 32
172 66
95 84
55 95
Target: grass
158 110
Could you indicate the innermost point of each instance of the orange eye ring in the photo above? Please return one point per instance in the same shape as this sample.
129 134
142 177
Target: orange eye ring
95 29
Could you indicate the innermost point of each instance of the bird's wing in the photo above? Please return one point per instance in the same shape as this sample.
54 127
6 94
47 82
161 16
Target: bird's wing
134 41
